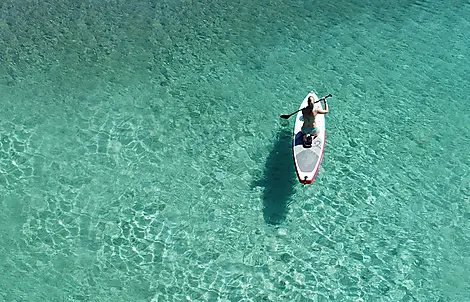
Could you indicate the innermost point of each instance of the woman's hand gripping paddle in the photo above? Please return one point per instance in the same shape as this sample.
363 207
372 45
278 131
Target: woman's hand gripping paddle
286 116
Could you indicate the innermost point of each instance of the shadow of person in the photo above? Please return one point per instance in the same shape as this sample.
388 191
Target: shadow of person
278 179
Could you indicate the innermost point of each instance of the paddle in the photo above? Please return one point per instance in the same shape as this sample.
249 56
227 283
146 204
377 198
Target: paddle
286 116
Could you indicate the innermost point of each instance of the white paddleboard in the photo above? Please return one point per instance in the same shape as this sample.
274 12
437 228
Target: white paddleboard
307 160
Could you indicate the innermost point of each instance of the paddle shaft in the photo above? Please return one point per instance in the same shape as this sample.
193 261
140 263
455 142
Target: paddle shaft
288 116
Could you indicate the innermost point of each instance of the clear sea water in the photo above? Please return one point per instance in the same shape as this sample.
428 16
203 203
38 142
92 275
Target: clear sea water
142 157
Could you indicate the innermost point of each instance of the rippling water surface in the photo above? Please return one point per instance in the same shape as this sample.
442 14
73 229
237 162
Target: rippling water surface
142 157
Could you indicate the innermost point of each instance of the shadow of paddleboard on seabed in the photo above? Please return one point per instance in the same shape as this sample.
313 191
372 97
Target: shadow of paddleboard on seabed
278 179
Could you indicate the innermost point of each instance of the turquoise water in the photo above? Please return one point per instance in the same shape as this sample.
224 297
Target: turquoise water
143 157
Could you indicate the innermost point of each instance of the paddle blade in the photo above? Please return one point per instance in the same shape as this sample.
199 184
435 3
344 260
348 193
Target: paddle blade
285 116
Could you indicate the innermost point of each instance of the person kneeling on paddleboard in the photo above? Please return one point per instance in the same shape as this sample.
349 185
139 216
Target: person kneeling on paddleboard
309 128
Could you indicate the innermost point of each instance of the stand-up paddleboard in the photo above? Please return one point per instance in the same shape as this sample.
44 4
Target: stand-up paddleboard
307 160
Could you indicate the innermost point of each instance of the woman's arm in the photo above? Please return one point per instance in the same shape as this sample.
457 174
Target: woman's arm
325 104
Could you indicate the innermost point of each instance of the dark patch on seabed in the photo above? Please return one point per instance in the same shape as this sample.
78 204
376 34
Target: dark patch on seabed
278 179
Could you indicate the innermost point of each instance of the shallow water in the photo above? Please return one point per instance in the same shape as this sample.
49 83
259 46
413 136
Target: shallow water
143 157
